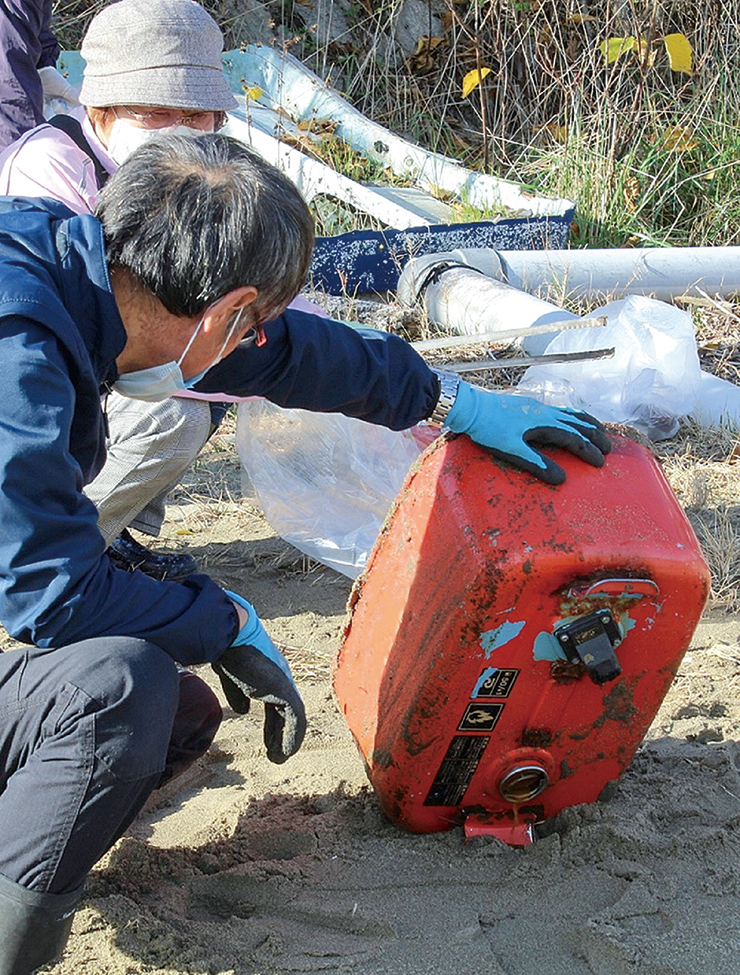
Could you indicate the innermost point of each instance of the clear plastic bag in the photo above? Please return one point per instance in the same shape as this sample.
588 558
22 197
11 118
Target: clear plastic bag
718 404
324 481
652 380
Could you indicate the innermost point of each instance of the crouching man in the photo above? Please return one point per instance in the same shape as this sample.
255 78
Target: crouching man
183 277
199 242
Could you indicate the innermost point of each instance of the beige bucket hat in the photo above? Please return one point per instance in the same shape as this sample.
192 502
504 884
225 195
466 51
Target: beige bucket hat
154 52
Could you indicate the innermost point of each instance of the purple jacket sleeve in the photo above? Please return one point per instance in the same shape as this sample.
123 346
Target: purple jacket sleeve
49 47
26 44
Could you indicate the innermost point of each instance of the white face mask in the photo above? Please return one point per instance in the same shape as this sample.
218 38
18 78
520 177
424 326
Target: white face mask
125 137
160 382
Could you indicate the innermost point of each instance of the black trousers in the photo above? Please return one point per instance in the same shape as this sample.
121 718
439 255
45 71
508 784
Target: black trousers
87 732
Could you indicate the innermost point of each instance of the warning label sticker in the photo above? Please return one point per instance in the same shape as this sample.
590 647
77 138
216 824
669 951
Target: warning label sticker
456 771
495 682
480 717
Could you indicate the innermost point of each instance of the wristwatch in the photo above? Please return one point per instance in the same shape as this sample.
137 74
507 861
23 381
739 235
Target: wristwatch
448 385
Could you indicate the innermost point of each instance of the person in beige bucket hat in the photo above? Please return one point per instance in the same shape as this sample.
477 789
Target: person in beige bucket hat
153 67
156 53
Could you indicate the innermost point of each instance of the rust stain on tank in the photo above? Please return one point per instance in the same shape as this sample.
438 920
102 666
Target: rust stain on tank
381 758
536 738
565 770
565 672
618 705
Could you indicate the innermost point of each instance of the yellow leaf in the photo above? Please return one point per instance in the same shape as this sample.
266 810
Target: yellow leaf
427 43
679 52
642 49
184 531
423 58
580 19
679 139
615 47
472 79
253 92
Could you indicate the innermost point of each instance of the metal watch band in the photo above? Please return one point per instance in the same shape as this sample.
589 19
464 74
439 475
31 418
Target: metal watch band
448 385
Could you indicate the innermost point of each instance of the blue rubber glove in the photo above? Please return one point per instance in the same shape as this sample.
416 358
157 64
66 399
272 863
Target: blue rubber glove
253 667
508 424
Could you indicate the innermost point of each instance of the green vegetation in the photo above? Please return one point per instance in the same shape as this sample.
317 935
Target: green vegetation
629 107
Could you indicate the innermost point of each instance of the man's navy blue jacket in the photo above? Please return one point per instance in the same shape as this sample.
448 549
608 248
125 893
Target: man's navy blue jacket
61 333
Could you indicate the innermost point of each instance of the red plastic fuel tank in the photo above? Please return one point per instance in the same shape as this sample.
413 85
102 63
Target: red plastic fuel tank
510 642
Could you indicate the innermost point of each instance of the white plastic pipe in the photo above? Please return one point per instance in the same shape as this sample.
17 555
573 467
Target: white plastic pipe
658 272
287 84
467 302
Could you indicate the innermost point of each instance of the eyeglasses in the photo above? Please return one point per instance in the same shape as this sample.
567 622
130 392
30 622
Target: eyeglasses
165 118
255 336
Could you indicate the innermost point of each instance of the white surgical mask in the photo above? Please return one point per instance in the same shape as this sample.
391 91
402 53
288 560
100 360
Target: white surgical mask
160 382
125 137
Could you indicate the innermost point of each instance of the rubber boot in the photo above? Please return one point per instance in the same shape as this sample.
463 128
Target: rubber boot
34 927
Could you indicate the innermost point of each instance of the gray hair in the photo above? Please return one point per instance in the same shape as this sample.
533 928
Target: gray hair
192 218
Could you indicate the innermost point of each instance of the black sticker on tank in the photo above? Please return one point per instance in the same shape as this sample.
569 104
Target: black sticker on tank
480 717
456 771
495 682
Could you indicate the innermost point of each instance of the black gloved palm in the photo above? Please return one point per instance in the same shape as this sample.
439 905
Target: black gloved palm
245 673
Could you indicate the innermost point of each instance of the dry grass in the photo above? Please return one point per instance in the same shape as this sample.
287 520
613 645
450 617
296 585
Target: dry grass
703 465
718 531
71 17
551 112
